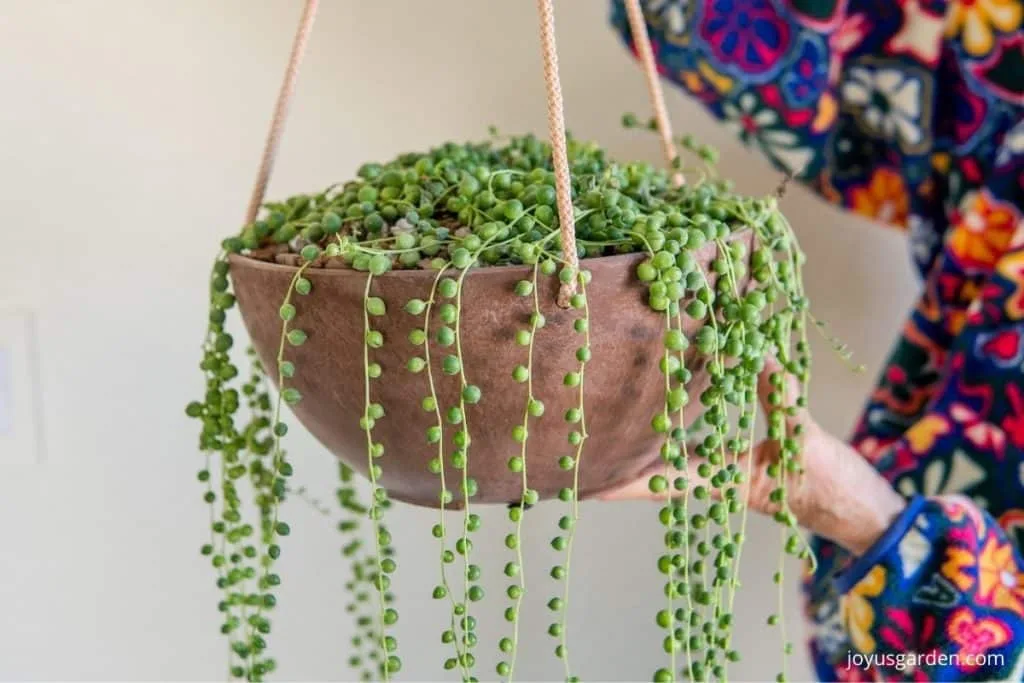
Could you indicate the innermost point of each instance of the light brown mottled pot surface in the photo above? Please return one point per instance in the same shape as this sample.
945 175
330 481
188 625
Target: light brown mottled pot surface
623 385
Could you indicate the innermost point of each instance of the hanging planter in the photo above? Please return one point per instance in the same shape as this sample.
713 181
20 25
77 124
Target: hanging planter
501 322
626 344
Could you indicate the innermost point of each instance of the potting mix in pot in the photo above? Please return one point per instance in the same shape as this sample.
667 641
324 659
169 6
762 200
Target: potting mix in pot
409 319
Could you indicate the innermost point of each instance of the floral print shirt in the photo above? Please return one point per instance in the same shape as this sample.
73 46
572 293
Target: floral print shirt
910 112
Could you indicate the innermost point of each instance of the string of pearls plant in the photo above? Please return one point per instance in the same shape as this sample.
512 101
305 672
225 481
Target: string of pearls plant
461 207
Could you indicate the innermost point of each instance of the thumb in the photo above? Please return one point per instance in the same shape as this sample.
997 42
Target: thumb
639 488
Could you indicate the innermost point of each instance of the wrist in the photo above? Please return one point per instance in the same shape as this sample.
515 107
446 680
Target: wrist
856 505
877 507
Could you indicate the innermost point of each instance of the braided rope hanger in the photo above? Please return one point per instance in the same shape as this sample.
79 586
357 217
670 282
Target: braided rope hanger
556 119
284 99
559 154
642 41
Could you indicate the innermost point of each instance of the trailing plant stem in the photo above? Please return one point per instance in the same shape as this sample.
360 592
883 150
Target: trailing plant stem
374 502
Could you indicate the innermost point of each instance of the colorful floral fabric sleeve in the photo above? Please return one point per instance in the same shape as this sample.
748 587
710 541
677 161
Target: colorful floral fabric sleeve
910 112
937 598
947 418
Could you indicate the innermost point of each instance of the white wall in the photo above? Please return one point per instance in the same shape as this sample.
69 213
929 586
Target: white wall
129 135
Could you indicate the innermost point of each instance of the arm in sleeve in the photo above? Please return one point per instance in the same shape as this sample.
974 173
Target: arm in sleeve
939 596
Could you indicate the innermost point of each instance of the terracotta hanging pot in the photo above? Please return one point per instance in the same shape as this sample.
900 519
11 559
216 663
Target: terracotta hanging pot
624 387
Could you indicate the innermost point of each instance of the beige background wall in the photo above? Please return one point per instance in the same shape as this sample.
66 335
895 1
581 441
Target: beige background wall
129 134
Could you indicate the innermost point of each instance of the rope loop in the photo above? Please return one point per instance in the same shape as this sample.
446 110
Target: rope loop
560 156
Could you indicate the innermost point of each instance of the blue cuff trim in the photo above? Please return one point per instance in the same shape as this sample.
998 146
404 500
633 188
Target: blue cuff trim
862 565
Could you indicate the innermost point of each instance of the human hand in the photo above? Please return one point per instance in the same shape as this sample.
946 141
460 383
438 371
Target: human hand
839 495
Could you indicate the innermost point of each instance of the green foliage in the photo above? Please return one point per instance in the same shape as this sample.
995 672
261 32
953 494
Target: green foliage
461 207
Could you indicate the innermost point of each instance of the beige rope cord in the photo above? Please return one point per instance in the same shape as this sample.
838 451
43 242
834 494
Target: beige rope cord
556 120
556 131
642 41
284 99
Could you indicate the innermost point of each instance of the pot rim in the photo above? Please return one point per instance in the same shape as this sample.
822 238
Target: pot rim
431 273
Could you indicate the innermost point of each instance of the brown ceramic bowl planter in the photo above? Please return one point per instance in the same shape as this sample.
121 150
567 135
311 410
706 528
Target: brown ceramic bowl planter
624 388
